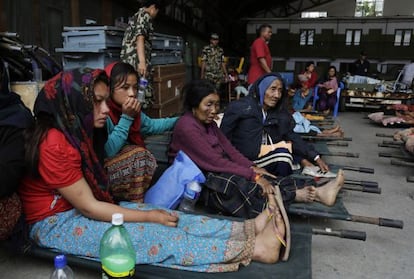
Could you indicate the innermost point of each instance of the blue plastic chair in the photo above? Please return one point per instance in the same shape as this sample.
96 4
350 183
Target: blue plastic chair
338 98
288 78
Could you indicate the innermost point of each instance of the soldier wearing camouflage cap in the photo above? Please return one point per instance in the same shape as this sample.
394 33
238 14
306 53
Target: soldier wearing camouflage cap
213 67
136 44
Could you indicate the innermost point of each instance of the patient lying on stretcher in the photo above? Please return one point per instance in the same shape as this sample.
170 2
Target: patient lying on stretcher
407 136
304 126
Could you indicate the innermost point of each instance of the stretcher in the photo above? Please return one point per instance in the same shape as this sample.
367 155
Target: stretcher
158 145
401 153
355 185
349 184
338 210
352 168
300 256
399 150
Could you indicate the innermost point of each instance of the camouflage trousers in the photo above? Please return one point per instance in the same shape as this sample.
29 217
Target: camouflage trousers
215 79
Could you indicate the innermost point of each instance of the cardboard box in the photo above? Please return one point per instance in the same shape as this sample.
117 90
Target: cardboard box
162 71
168 109
166 89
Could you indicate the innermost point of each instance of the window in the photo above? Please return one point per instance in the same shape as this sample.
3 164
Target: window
402 37
314 14
353 37
306 37
369 8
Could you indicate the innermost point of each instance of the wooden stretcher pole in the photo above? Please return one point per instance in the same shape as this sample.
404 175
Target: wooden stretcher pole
364 183
391 223
401 163
315 138
389 142
389 145
240 67
352 168
381 135
396 156
337 143
340 154
348 234
358 188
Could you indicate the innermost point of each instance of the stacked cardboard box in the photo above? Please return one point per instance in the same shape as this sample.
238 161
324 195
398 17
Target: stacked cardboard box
168 83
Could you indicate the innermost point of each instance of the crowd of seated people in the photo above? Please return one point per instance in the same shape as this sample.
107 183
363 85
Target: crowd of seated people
85 159
66 192
237 176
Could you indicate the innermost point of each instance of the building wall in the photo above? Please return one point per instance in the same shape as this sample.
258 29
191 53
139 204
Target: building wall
345 8
378 35
398 7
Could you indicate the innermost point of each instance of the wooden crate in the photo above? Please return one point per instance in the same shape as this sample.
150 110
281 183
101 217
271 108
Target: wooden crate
168 87
170 108
162 71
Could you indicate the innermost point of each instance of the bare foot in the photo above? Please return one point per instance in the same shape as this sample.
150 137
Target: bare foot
306 194
338 134
267 246
327 193
261 221
331 131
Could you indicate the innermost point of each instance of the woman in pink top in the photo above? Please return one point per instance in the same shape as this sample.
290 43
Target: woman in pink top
327 92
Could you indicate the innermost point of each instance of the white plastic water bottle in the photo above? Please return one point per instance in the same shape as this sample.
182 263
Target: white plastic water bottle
62 270
142 88
191 195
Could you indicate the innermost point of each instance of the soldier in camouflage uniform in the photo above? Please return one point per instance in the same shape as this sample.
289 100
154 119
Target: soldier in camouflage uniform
213 67
136 44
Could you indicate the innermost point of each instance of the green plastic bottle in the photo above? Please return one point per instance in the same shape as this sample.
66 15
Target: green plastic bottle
116 251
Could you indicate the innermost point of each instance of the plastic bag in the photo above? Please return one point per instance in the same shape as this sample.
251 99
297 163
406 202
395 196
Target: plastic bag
169 189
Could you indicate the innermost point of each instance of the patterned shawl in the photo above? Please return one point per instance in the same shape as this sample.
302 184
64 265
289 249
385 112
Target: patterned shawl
69 97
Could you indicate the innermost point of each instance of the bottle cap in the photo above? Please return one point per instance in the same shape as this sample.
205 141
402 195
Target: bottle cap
143 82
194 186
60 261
117 219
